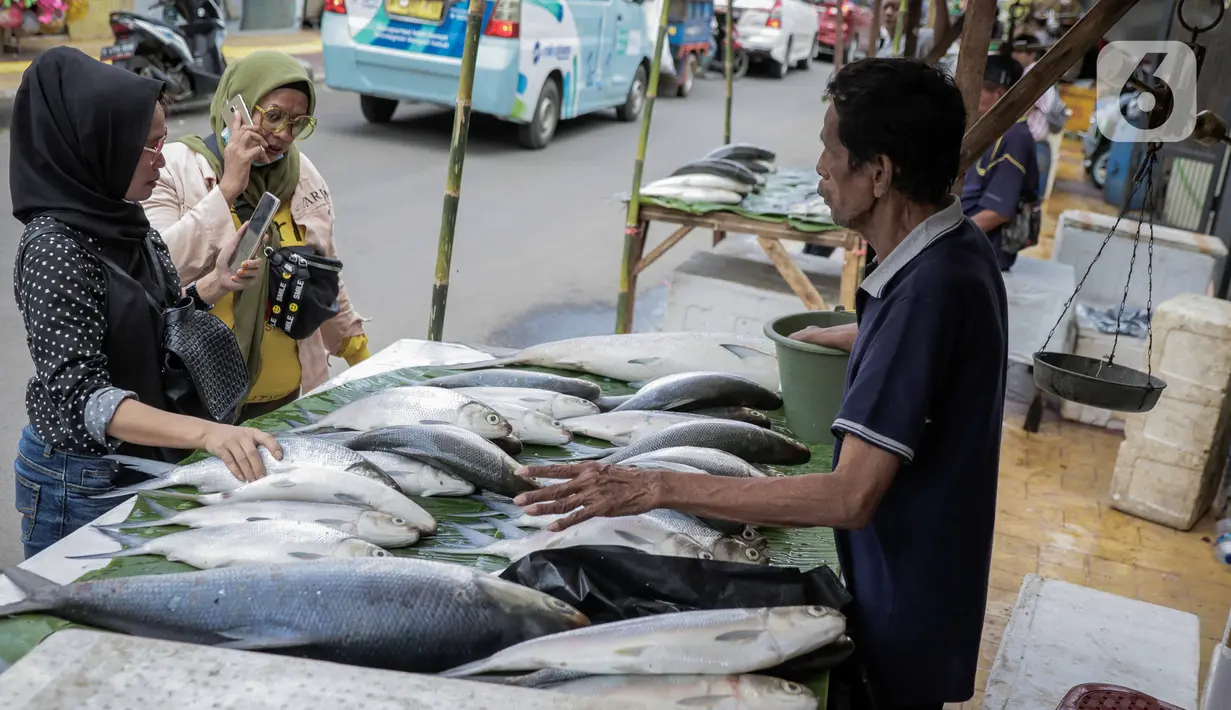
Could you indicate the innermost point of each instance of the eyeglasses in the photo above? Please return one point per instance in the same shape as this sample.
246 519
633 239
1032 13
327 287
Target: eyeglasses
275 120
156 151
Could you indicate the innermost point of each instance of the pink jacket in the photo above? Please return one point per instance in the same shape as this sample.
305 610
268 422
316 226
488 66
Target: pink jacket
188 209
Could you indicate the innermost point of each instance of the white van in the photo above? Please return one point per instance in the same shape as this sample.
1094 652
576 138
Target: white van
780 33
539 61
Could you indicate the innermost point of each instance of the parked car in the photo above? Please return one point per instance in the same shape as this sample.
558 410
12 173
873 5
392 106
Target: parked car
856 26
779 33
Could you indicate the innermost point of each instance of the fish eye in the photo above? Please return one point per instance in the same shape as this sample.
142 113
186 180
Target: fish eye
398 521
787 686
556 423
493 418
752 554
817 611
705 555
381 553
559 604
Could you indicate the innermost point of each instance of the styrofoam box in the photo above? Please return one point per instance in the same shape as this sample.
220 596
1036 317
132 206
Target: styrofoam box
1036 290
1093 343
1184 262
1173 456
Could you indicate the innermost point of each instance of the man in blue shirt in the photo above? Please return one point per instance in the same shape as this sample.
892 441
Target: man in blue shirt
1007 175
913 489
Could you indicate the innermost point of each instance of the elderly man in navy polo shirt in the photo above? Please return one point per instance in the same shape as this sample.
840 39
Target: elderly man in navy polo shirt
913 490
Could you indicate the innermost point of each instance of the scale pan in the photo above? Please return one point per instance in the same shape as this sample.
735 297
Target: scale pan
1094 383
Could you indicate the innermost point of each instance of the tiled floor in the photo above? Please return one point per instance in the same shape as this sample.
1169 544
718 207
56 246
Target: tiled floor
1053 518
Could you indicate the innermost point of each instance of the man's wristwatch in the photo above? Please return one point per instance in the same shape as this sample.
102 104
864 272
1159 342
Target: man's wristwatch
195 295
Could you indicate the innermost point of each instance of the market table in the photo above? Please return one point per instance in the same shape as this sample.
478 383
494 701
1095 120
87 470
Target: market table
768 216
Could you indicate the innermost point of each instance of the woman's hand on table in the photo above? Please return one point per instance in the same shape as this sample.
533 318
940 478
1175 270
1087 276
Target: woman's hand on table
590 490
237 446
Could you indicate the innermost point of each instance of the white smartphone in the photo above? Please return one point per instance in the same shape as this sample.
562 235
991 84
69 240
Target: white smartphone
238 106
261 218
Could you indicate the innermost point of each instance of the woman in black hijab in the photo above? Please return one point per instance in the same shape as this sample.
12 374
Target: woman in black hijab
86 147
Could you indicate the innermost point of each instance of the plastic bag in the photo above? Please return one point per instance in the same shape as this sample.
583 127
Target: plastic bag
613 583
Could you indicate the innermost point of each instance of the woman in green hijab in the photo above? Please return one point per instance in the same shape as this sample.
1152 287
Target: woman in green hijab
210 186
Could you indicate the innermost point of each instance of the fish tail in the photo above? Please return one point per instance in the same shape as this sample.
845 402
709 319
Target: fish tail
484 364
36 588
173 494
469 669
506 528
474 537
162 511
130 543
505 507
146 466
591 455
154 484
125 525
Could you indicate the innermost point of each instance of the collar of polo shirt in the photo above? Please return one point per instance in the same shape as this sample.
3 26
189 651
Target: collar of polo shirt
920 238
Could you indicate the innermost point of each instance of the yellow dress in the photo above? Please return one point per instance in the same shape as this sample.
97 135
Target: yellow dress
280 374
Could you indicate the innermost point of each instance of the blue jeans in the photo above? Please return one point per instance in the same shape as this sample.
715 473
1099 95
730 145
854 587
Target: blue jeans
1042 152
54 489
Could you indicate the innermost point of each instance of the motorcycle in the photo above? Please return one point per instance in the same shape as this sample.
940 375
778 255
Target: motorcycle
184 49
1106 121
715 60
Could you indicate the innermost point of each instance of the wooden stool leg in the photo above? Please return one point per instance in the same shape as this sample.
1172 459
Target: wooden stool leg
634 245
719 236
1034 415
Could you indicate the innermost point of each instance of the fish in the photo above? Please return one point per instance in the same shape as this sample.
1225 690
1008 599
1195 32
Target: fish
532 426
694 194
321 486
720 167
400 614
258 542
211 475
418 478
634 532
374 526
713 461
742 151
607 403
701 389
514 514
641 357
457 451
747 441
398 406
693 692
584 389
739 414
554 404
622 427
721 546
707 642
510 444
701 180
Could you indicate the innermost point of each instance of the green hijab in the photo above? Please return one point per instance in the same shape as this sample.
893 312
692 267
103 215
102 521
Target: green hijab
253 77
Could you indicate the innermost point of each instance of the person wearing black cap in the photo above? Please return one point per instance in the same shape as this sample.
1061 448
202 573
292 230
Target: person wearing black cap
1047 116
1000 191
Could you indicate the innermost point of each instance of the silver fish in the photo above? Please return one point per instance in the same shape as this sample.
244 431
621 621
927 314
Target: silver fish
739 414
722 547
398 614
634 532
560 406
530 425
641 357
713 461
694 692
399 406
457 451
689 390
513 513
260 542
622 427
708 642
321 486
520 378
211 475
747 441
377 528
418 478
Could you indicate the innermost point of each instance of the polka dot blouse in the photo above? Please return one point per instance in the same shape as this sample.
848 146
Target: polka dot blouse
62 296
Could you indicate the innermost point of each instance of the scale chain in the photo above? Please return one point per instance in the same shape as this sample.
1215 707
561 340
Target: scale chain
1146 170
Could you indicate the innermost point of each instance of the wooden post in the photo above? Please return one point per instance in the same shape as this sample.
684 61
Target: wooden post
910 33
453 179
941 43
1062 55
874 32
972 55
839 40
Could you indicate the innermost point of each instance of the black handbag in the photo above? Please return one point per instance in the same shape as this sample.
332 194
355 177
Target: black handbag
303 290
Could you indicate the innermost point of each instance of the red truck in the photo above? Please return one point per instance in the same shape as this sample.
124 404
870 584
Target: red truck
856 26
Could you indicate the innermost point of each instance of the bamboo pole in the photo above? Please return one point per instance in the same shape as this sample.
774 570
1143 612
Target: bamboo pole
453 179
632 224
903 8
729 68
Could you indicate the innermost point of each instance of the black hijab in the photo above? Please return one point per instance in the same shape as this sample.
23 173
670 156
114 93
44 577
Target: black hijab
78 130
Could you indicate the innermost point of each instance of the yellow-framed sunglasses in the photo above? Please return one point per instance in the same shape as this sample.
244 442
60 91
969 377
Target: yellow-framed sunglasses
275 119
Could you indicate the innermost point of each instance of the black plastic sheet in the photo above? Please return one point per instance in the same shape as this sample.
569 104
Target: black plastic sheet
613 583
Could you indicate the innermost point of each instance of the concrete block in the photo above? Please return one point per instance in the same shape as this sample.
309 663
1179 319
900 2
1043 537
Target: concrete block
736 292
1164 493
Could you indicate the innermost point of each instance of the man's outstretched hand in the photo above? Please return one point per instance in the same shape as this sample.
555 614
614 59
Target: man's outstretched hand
590 490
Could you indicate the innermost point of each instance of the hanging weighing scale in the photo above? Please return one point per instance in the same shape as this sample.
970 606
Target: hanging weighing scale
1103 383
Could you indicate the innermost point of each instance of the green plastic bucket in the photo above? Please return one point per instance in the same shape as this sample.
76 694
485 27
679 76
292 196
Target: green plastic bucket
812 376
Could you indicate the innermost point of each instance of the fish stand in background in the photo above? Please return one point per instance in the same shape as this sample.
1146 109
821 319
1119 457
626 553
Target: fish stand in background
723 177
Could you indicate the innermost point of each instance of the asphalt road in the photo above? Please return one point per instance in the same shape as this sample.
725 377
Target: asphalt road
539 234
